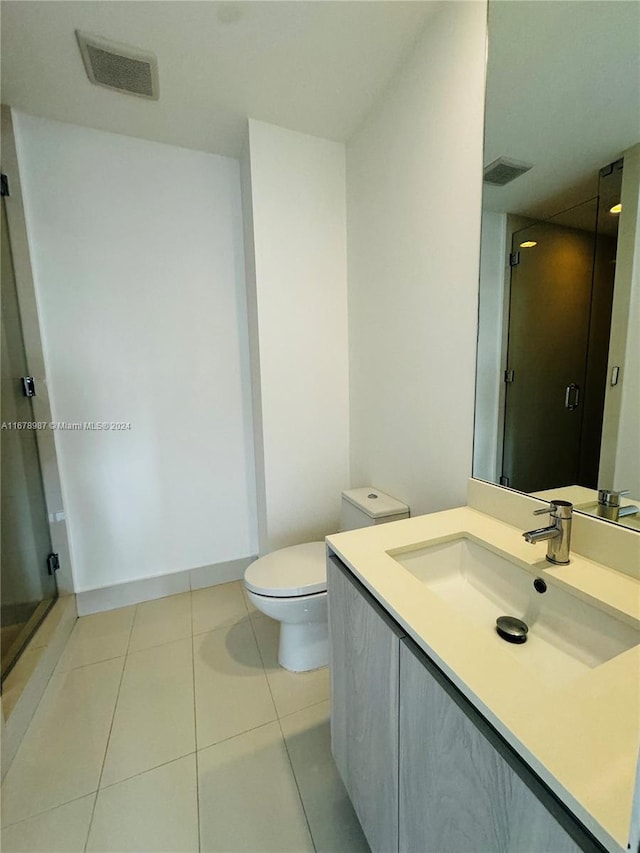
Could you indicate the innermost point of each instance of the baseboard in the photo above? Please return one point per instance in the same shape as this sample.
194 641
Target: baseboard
219 573
26 683
147 589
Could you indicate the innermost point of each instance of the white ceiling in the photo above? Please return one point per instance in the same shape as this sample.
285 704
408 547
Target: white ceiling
563 77
563 93
316 67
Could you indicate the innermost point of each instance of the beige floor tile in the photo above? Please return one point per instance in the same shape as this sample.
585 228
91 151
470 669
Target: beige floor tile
161 621
98 637
154 718
334 825
217 607
60 830
248 797
291 691
17 680
62 752
155 811
232 693
45 632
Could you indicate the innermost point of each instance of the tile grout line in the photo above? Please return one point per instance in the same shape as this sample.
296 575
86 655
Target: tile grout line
284 741
148 770
55 672
128 653
46 811
239 734
305 708
195 717
85 665
162 764
103 788
295 779
264 669
113 716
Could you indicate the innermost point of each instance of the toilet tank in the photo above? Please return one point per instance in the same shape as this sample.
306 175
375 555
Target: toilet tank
368 506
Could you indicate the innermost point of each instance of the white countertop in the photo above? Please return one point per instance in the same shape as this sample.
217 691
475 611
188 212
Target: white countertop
580 736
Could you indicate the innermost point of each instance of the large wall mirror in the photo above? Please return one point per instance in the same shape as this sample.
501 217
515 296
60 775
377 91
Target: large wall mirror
558 375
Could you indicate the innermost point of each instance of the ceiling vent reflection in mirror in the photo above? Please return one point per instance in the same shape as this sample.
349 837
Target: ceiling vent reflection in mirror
119 67
503 171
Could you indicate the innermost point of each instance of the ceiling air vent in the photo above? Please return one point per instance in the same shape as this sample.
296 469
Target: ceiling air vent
118 66
502 171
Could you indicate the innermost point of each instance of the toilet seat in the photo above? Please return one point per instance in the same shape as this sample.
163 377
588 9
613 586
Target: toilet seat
296 571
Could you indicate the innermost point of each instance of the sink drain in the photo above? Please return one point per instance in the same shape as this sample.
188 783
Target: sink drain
511 629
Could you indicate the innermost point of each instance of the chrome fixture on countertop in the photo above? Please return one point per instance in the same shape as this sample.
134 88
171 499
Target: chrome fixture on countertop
609 505
557 534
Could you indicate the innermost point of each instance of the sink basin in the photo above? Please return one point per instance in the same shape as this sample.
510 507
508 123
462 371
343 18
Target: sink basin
566 634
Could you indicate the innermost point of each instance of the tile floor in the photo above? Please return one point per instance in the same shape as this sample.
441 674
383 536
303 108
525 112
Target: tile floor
168 726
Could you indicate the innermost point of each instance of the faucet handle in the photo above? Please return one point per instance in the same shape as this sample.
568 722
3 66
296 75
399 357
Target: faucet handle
557 509
544 511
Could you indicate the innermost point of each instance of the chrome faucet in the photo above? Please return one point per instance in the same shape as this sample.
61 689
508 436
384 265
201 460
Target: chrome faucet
557 534
609 505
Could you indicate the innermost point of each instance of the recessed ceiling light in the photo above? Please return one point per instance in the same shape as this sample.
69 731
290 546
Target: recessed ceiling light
528 244
617 208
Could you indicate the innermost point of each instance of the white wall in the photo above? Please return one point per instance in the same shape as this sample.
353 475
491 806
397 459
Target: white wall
138 265
296 209
490 320
414 196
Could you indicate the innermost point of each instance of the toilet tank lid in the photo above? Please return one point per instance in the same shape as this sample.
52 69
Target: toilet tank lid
374 502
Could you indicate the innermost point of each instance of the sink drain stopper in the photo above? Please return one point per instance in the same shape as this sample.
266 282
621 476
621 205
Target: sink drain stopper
511 629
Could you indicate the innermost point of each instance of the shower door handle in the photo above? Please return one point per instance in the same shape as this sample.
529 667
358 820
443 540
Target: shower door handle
572 396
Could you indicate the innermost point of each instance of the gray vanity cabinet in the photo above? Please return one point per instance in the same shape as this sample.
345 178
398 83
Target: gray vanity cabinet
424 770
457 790
364 669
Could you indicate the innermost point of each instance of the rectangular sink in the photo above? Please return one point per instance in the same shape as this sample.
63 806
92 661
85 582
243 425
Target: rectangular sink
566 634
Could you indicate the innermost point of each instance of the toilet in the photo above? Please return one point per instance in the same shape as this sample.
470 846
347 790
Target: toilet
290 584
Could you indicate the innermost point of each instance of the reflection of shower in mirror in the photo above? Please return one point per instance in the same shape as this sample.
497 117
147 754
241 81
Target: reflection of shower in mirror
556 378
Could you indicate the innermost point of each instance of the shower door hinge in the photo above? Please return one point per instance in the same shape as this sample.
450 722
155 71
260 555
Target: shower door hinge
53 563
4 185
508 375
504 481
514 259
29 386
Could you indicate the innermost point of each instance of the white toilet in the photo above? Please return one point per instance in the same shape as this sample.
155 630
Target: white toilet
290 585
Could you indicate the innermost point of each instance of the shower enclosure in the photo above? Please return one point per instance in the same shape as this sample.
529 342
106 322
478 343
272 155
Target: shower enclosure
560 302
27 561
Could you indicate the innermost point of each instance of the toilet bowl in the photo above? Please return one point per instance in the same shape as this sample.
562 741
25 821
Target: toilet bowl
290 585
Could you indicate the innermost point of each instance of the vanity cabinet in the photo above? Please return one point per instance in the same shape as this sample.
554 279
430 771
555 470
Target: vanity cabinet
458 791
365 668
424 770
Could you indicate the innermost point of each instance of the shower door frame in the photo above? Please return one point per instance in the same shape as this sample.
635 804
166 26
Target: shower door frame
24 282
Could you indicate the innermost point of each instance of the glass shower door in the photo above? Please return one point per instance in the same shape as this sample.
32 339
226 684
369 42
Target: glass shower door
28 589
549 316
